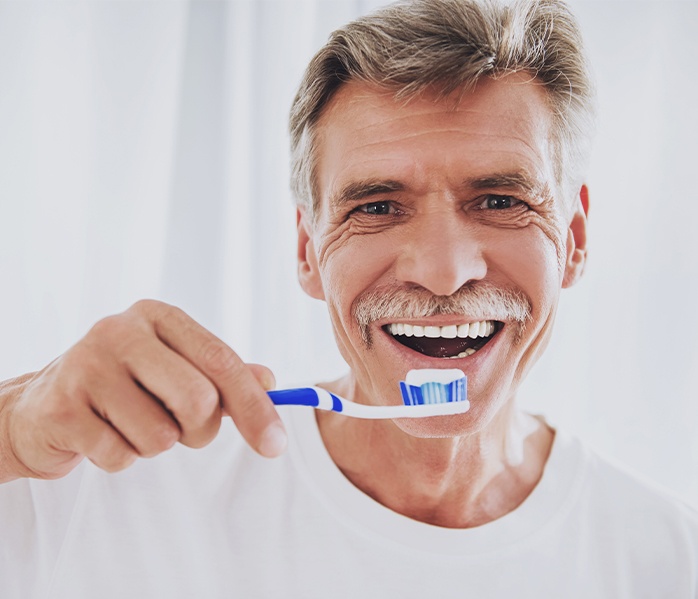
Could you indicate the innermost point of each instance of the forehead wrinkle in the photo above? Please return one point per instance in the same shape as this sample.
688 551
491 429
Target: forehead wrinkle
395 112
387 119
387 116
537 153
461 131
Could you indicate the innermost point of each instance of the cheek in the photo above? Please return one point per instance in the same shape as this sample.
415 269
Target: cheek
534 268
529 259
351 264
556 233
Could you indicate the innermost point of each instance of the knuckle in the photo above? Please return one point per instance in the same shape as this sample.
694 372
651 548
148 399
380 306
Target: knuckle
110 452
200 400
219 359
204 435
195 411
110 327
115 459
75 360
118 463
200 390
161 438
80 372
152 310
171 310
110 337
115 337
146 306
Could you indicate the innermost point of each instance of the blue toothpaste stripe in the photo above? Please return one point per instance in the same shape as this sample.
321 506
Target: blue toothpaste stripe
432 392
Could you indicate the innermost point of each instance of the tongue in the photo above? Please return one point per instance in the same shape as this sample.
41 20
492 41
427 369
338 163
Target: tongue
439 347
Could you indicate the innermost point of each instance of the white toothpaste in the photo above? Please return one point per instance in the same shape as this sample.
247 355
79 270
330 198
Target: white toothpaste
433 375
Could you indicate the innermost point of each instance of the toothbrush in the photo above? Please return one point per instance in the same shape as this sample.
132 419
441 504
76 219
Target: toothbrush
425 392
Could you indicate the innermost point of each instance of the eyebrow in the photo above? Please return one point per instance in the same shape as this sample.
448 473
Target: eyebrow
516 180
359 190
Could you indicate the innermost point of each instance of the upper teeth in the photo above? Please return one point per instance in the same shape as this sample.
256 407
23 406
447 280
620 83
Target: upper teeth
483 328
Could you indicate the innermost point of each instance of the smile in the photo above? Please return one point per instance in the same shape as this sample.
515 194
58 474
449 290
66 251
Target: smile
451 341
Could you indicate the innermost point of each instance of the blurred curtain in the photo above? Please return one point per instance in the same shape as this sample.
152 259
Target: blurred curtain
143 153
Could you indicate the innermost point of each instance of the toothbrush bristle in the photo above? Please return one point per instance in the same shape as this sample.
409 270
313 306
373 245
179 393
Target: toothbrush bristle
432 392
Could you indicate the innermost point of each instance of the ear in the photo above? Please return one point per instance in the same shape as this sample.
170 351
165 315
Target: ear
577 240
308 271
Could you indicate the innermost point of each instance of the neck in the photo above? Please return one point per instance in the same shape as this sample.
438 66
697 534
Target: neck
457 482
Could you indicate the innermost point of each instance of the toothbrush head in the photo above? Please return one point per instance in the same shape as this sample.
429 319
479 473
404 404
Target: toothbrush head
434 386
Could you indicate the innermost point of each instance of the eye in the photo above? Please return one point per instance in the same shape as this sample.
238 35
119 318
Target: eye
377 208
498 202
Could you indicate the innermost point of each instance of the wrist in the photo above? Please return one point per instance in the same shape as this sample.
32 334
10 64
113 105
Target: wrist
11 467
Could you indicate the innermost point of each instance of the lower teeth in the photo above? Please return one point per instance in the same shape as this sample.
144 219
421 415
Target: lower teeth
464 354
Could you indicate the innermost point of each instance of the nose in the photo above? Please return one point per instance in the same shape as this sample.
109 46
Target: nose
441 255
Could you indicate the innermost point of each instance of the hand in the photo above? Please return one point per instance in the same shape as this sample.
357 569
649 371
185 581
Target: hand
137 383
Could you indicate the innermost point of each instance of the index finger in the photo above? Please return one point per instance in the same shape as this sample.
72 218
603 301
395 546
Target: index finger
241 394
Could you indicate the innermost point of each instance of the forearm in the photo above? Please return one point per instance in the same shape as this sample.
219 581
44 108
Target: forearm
10 392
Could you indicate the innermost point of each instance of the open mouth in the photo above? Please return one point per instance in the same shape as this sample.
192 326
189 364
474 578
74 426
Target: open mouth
451 341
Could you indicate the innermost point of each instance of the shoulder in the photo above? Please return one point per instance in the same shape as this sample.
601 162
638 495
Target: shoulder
634 515
628 490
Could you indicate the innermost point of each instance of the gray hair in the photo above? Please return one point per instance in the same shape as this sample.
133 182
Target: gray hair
449 45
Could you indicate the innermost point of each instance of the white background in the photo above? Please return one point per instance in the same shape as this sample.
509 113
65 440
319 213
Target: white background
143 153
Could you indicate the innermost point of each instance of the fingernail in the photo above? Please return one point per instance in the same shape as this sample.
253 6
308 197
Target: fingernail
268 381
274 440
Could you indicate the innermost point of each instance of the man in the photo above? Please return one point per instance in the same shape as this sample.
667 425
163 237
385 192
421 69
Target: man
438 151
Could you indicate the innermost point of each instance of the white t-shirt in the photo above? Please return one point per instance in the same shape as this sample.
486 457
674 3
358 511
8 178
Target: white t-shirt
224 522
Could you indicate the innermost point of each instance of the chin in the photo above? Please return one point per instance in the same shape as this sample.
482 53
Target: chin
444 427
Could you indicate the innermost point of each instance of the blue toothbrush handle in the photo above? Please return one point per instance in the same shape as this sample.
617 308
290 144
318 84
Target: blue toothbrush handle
306 396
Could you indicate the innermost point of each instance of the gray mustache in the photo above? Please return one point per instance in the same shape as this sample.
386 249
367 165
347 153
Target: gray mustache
477 301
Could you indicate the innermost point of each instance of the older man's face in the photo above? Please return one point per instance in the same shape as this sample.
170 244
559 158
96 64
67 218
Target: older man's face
449 209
